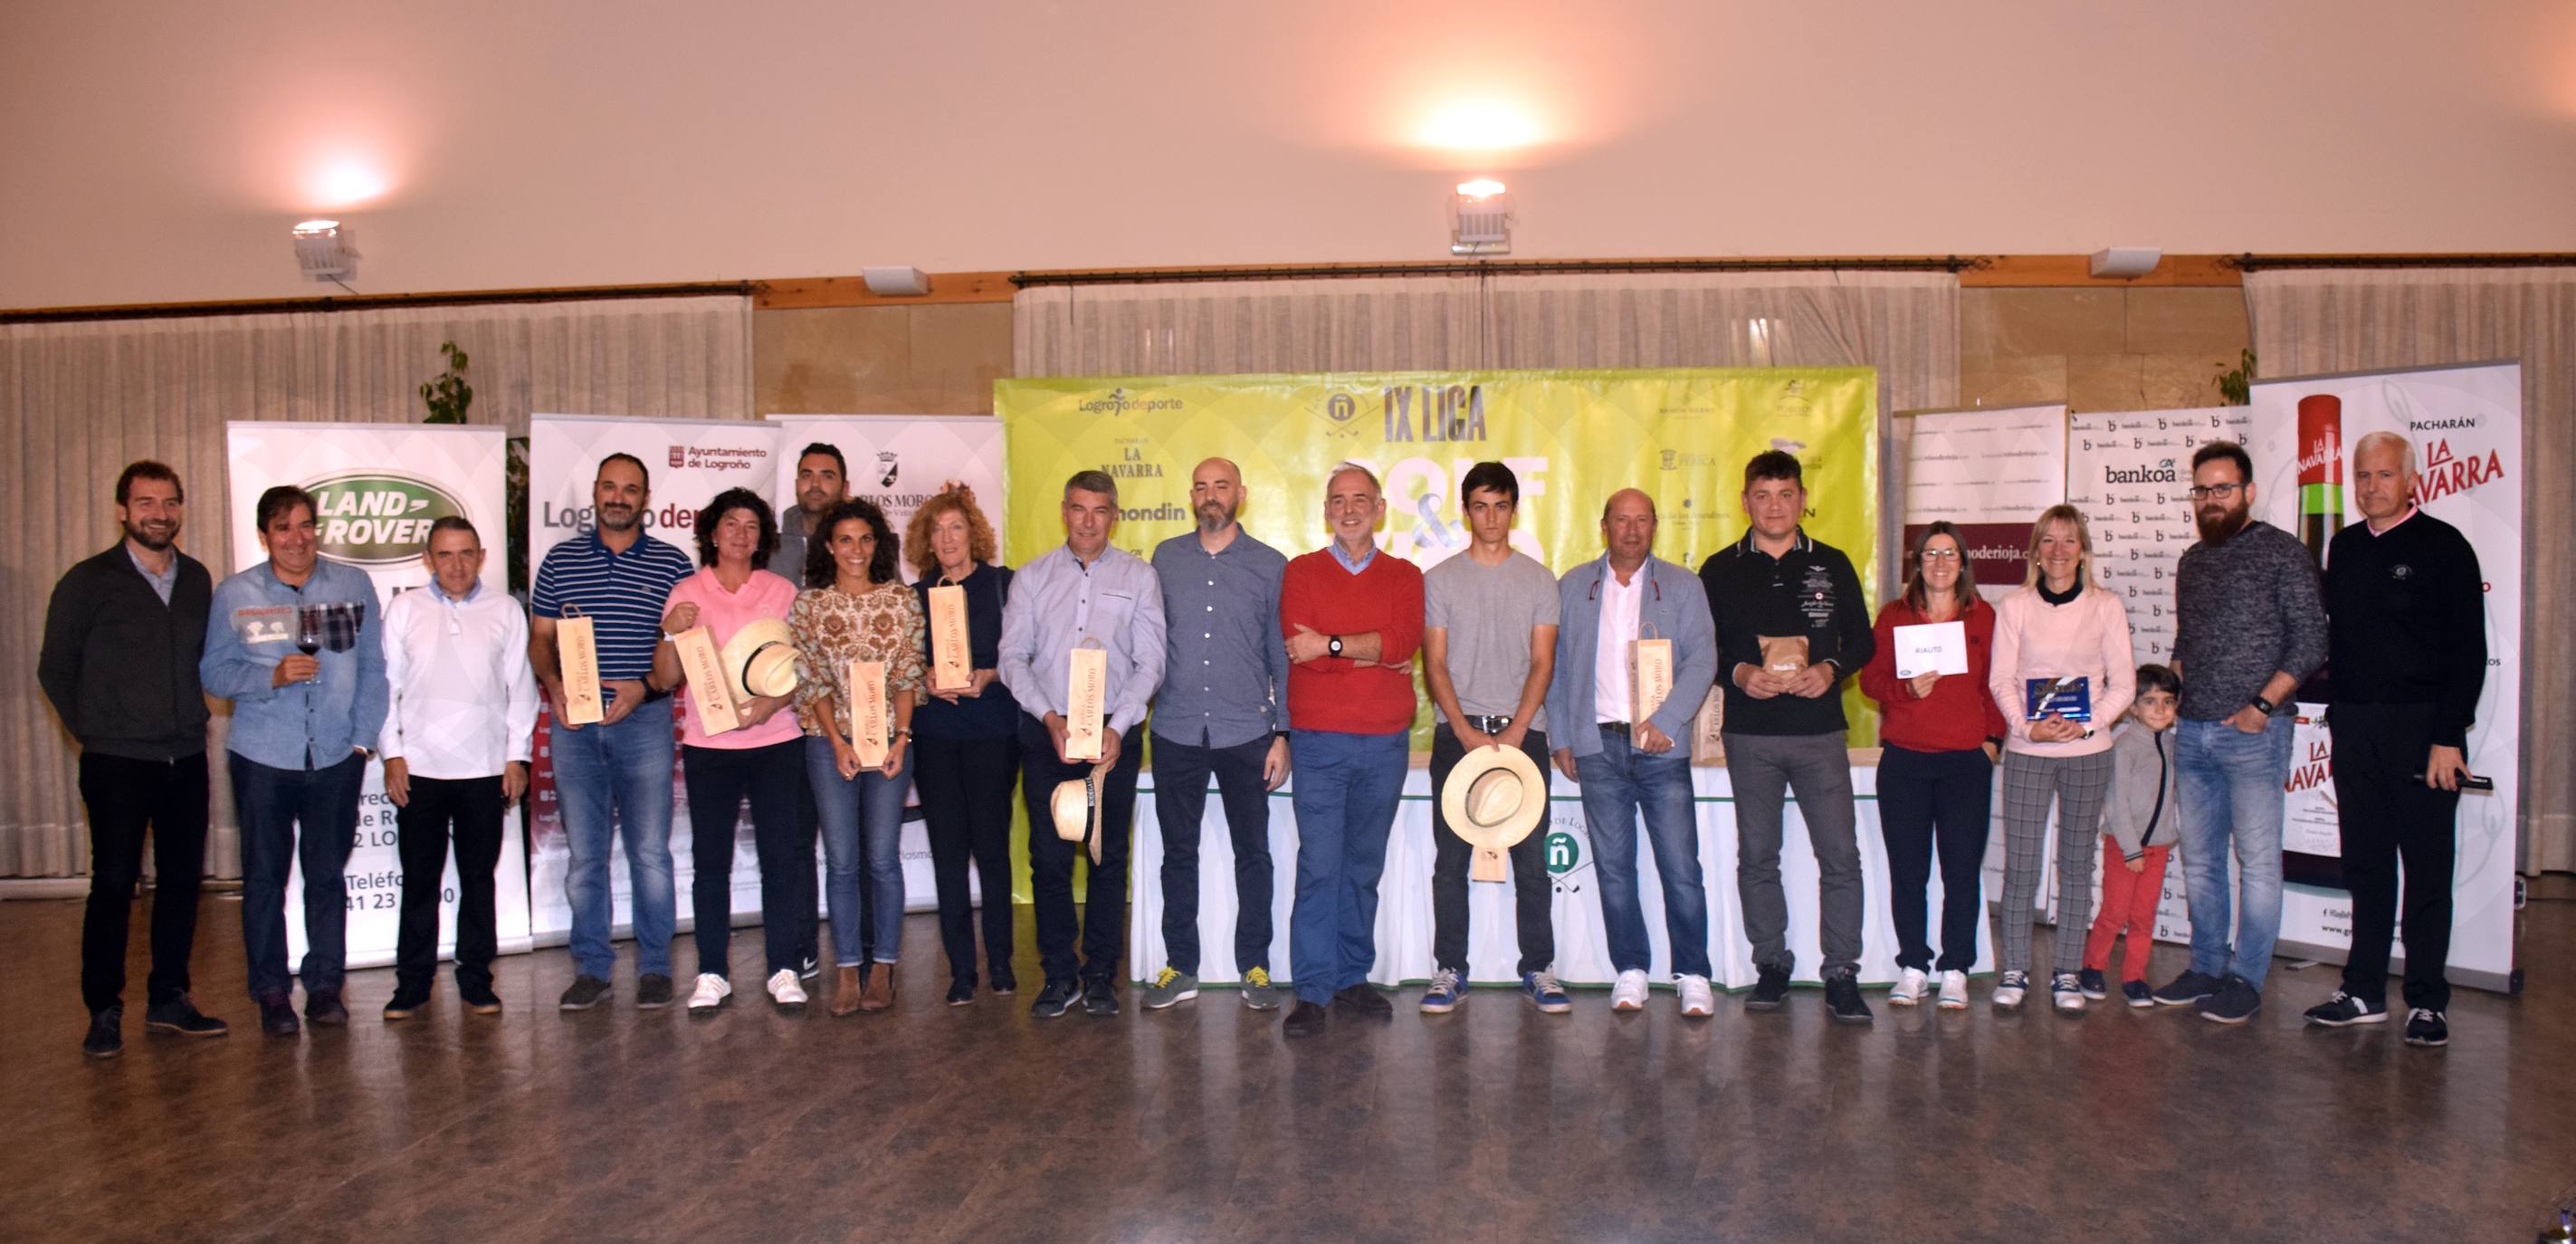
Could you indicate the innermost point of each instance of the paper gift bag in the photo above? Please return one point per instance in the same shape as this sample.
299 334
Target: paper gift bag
578 645
1086 700
1650 677
709 691
1784 654
1708 728
952 661
868 714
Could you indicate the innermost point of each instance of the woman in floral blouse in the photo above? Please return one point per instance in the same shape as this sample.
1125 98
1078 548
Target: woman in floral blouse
855 607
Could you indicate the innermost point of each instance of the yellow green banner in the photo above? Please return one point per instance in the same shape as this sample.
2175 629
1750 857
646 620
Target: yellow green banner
1573 438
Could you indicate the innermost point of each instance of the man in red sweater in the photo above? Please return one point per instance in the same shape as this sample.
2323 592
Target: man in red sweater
1352 617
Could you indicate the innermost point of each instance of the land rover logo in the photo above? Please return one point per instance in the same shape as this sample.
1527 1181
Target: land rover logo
370 519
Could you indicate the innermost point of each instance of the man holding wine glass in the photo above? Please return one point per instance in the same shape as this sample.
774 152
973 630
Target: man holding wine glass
302 722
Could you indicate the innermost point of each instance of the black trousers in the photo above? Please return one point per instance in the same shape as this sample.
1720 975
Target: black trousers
965 787
126 797
1103 923
2391 818
718 779
1927 799
809 830
1181 773
467 811
1533 890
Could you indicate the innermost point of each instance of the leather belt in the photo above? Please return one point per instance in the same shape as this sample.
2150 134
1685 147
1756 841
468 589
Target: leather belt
1489 725
1619 728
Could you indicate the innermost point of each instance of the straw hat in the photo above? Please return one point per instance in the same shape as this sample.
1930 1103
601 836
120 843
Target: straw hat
760 659
1075 808
1494 798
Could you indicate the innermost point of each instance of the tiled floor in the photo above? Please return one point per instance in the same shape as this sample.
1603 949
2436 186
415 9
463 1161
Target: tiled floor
979 1123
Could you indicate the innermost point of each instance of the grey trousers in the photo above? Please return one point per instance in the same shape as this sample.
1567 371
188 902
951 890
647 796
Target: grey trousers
1764 768
2077 783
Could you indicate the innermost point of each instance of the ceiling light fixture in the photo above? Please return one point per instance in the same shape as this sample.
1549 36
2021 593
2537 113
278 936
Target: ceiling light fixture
326 251
1480 218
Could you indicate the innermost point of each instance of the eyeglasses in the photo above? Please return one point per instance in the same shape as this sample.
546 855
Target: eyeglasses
1940 555
2220 491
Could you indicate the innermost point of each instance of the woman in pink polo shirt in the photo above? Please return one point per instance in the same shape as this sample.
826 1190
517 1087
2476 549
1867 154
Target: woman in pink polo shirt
763 759
2057 627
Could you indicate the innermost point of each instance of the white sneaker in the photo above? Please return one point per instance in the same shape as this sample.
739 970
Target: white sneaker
2067 990
784 992
1909 987
710 994
1629 992
1954 991
1696 1000
2009 988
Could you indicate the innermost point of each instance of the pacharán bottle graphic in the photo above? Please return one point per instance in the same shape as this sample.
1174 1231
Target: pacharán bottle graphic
2320 450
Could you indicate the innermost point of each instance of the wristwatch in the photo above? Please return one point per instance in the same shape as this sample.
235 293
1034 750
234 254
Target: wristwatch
2265 705
1333 646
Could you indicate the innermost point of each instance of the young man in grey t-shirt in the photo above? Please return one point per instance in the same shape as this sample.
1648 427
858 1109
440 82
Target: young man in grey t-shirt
1488 649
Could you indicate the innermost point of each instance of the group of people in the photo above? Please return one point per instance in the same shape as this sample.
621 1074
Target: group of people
1244 663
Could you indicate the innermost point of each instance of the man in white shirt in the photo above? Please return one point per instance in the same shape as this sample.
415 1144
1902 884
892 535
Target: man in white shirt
456 748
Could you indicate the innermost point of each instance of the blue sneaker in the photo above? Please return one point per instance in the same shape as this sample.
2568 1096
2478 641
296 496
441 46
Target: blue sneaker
1543 991
1448 989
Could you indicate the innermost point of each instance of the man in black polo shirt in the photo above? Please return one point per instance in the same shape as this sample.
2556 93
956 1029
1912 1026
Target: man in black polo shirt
122 636
1784 730
2406 639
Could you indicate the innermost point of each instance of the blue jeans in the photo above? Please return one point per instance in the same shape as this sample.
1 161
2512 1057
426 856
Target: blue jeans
273 805
1619 782
1347 788
862 830
609 777
2231 785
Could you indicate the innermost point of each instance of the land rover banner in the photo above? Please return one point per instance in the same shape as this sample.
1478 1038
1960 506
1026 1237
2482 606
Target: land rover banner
376 489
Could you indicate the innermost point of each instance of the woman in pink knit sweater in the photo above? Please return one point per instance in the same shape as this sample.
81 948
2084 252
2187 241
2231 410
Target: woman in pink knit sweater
2061 648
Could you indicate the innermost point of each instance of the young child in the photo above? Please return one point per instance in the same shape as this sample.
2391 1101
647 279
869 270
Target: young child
2141 820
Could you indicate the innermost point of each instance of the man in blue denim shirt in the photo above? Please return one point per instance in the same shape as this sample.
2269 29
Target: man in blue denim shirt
299 745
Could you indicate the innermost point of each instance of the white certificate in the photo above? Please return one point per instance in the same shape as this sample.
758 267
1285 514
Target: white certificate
1934 648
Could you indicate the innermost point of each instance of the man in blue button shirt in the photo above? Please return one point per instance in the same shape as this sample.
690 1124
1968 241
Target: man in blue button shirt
293 643
1225 667
1082 592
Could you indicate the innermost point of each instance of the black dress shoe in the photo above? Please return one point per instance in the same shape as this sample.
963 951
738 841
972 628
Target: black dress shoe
277 1017
1099 1000
325 1008
1306 1020
960 993
1364 999
179 1017
478 998
1057 998
106 1036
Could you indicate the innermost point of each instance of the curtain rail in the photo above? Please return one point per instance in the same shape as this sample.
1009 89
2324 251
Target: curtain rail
2256 263
375 302
1140 276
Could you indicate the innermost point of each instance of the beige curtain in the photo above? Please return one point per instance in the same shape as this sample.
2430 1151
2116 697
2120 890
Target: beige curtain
2311 321
80 400
1906 324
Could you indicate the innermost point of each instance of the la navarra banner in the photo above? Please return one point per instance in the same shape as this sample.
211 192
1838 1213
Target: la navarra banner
377 488
1681 435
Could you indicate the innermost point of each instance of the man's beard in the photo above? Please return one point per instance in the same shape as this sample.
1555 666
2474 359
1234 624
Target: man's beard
1223 517
141 534
814 503
607 523
2218 527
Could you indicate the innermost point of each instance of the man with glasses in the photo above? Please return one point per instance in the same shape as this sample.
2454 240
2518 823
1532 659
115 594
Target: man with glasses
2250 625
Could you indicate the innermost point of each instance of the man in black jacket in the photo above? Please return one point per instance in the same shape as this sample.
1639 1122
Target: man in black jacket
122 637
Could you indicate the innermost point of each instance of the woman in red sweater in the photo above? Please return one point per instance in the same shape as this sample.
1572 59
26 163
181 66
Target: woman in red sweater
1938 740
